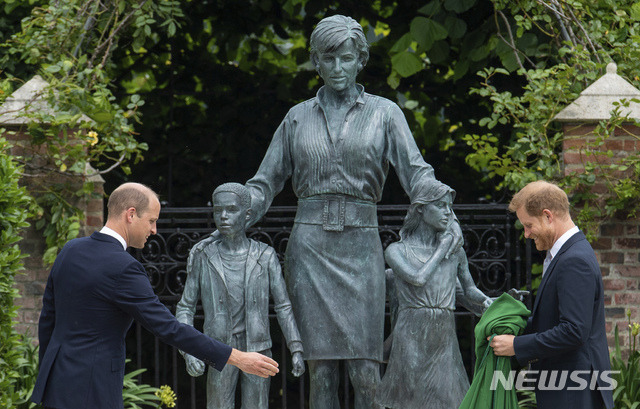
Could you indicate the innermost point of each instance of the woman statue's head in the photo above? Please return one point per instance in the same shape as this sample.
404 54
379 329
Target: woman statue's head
332 32
431 202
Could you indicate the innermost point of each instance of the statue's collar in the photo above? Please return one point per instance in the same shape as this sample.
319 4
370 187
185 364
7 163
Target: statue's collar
320 98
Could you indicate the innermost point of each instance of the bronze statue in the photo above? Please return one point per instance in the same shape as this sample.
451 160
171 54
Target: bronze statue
337 148
425 367
233 277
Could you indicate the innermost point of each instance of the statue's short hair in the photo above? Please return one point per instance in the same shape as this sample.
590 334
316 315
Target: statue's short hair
332 31
540 195
128 195
239 190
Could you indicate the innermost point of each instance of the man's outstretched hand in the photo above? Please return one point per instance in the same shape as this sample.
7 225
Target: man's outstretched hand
253 363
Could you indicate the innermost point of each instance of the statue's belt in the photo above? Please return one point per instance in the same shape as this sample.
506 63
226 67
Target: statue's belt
334 212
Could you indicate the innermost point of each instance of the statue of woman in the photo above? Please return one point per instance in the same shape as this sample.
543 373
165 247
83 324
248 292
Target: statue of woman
425 368
337 148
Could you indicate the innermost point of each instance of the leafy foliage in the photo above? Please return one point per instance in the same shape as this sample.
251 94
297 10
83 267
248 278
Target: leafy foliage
527 399
558 51
15 354
217 91
627 393
213 80
138 396
71 45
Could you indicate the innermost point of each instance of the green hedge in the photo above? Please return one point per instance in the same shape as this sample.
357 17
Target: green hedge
17 355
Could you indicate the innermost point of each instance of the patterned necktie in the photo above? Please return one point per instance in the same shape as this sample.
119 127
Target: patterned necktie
547 261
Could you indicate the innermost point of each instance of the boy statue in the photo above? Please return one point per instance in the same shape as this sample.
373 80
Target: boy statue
233 276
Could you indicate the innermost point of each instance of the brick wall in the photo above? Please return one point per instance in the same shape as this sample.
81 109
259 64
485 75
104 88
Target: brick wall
618 247
32 281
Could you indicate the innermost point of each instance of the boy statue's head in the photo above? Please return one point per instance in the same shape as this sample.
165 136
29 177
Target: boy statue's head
231 208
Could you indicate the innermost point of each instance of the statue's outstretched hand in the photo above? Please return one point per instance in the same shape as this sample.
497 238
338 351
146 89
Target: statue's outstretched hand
518 294
195 367
298 364
487 303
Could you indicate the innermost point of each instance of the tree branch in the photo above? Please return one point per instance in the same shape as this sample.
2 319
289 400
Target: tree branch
584 31
122 25
512 42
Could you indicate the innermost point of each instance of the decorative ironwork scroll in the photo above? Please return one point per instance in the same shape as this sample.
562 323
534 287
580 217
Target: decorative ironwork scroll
496 260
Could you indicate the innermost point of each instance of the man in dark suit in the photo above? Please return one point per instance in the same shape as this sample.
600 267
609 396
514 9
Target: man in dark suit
94 291
565 341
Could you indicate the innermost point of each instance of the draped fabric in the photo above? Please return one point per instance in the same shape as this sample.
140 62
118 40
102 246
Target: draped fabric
505 316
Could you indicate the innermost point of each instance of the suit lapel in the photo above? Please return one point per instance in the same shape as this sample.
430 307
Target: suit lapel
213 255
252 261
547 275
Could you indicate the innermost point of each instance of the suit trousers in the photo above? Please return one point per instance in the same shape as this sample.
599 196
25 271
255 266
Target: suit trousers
221 386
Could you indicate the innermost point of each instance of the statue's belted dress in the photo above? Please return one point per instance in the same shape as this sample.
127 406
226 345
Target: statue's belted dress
334 265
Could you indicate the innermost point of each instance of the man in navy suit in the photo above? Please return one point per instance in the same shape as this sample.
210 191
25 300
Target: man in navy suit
565 341
94 291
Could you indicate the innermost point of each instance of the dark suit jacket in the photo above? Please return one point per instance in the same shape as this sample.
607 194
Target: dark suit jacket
94 291
566 330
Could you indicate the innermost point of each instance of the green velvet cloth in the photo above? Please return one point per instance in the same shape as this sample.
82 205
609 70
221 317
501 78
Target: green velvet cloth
505 316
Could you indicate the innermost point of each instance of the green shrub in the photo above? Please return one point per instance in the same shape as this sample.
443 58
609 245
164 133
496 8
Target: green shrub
137 395
627 393
16 352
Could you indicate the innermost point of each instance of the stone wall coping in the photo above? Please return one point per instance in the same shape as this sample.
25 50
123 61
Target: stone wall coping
28 99
596 102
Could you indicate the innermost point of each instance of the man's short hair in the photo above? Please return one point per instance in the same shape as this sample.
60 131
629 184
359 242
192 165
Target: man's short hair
540 195
129 195
239 190
332 31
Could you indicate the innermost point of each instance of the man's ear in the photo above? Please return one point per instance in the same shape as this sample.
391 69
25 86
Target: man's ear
547 215
130 213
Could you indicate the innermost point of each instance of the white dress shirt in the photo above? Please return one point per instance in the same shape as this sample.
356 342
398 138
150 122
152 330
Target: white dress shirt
557 246
112 233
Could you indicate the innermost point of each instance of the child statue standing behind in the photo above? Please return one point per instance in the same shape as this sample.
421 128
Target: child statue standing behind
233 277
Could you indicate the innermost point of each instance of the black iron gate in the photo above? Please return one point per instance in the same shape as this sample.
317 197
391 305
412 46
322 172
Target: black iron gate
498 261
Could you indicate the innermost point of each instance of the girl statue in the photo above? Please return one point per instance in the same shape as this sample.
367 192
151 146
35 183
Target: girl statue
425 367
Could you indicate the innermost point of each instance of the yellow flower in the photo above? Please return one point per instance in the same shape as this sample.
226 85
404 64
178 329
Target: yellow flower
635 329
93 137
167 396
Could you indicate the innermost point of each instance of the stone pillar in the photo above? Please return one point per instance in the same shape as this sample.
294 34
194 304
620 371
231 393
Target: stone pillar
32 281
618 245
